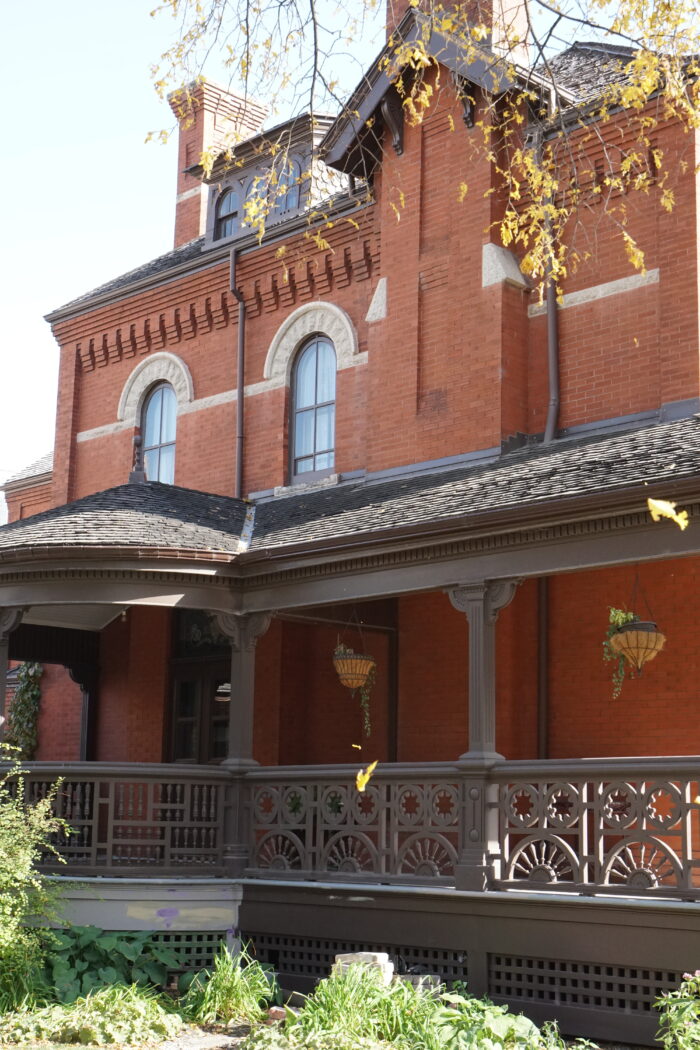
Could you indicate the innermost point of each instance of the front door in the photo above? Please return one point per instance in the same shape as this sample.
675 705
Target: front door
200 713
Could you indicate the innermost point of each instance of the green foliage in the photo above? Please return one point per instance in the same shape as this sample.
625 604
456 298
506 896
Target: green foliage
618 618
239 988
23 714
26 833
117 1014
356 1010
85 958
679 1027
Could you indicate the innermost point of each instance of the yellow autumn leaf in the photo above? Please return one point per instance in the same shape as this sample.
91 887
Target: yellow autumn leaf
661 508
364 775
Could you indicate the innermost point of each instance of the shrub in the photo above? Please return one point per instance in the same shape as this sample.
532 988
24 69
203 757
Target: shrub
84 958
26 833
679 1027
238 988
119 1014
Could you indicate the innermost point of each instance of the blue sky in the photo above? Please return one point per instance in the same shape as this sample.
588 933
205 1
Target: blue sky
84 198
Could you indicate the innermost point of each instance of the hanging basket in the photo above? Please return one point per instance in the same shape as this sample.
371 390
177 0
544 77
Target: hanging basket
353 669
638 642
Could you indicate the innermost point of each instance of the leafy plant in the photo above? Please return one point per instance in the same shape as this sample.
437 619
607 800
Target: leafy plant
117 1014
26 834
23 715
238 988
85 958
618 618
365 689
679 1027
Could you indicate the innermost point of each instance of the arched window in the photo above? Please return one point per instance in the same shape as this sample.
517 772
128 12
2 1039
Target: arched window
313 408
158 422
288 187
226 215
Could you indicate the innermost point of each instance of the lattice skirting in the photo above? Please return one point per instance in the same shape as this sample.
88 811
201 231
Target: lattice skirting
313 957
515 978
195 949
558 982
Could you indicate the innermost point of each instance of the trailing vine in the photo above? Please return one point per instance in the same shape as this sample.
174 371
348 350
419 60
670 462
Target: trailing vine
618 618
23 715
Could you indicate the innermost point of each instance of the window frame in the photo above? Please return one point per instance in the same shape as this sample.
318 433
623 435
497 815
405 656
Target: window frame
145 449
300 478
229 216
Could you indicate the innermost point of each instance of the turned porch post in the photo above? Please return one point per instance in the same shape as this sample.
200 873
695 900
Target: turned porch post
243 632
9 619
481 602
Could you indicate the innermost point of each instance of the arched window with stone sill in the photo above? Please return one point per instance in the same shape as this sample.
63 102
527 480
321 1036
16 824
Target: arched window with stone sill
158 428
313 409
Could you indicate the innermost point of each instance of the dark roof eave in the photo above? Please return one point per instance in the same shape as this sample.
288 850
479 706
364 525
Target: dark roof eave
96 552
543 512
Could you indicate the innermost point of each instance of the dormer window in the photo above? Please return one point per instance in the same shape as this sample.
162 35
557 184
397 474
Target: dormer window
288 187
227 215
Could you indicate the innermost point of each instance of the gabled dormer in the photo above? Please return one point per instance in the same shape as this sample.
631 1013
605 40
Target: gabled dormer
273 176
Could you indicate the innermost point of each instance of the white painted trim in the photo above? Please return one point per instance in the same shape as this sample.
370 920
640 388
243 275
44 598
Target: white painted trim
194 192
378 306
317 317
600 291
226 397
162 367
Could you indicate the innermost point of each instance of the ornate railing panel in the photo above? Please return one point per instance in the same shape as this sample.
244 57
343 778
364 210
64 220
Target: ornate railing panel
145 819
405 826
612 826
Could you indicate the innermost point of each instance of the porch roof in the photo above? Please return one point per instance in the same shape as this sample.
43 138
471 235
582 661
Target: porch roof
532 483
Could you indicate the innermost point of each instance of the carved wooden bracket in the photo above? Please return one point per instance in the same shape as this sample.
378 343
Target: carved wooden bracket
493 594
392 112
244 630
465 91
10 618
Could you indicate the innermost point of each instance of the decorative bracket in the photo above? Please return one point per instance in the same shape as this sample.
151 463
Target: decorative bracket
243 630
465 92
494 594
10 618
392 112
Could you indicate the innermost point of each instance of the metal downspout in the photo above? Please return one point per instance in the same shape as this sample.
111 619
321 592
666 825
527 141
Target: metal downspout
240 377
552 360
543 667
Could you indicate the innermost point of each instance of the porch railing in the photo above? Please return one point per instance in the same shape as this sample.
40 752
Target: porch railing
134 819
626 826
405 825
591 826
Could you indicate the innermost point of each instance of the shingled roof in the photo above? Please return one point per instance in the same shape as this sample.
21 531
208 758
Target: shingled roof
147 516
165 518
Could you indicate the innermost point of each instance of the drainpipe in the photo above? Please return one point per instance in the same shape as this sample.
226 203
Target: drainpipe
240 376
543 667
552 359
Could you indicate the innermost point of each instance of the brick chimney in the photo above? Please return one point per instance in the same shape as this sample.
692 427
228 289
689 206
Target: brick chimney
208 115
508 19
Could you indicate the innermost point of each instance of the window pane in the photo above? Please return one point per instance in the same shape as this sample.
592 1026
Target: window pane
168 415
150 464
305 389
166 467
324 461
326 373
151 435
325 426
304 433
304 464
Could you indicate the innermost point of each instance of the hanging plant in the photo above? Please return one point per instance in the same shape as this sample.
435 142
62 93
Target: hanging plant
358 673
629 644
23 715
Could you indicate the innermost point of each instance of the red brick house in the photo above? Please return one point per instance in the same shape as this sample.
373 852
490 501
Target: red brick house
363 443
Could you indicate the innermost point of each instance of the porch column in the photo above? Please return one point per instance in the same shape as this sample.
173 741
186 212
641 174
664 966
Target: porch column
481 602
243 632
9 619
